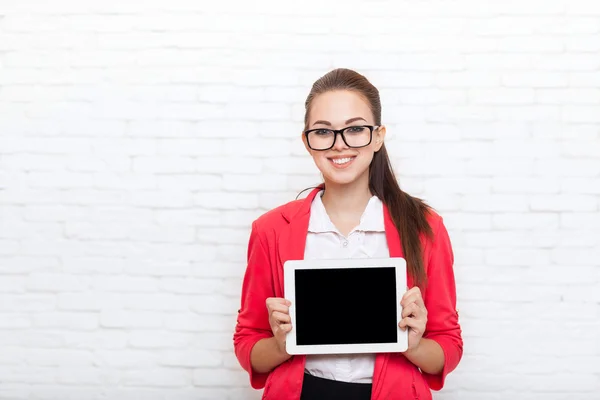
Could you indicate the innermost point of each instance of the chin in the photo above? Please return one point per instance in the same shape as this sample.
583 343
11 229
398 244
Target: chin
342 178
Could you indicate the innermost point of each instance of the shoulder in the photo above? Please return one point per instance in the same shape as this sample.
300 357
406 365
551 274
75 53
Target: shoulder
434 220
439 241
276 217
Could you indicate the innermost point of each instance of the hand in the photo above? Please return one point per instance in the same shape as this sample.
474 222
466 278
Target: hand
414 316
279 319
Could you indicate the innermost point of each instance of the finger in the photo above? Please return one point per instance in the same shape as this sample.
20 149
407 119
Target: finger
282 308
411 309
413 296
278 300
281 317
411 291
285 328
414 324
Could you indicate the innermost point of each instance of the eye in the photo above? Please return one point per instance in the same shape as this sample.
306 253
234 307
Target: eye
356 129
321 132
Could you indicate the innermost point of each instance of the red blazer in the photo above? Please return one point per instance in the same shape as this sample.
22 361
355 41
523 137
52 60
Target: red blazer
280 235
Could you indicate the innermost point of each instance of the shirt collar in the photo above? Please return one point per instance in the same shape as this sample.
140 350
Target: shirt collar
370 221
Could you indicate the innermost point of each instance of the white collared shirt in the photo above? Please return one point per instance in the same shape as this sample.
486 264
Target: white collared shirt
324 241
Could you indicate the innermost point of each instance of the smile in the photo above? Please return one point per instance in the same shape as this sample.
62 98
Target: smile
342 162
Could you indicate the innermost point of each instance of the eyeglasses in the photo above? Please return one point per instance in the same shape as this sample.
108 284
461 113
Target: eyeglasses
353 136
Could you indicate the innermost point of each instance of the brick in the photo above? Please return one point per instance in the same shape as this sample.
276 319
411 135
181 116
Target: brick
96 340
130 319
584 79
222 235
59 357
217 376
190 358
502 96
189 322
124 284
495 203
581 114
164 377
66 320
582 257
583 43
571 96
158 268
564 203
27 302
15 321
581 186
561 167
227 200
164 164
192 285
152 339
517 257
251 183
218 165
12 284
161 198
525 221
25 264
88 302
248 147
525 185
28 374
188 147
49 282
155 301
86 265
214 304
202 218
189 181
127 358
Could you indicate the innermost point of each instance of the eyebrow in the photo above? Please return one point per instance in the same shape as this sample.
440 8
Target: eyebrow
323 122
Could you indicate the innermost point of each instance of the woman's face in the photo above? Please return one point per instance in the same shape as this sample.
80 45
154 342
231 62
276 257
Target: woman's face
342 164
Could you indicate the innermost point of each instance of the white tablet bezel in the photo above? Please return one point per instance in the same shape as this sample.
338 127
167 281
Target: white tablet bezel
290 294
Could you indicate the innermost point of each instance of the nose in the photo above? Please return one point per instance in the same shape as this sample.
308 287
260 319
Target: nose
339 142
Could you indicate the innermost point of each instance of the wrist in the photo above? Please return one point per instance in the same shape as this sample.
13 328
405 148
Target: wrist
280 348
414 351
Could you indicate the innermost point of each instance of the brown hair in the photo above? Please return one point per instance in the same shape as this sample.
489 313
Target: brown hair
408 213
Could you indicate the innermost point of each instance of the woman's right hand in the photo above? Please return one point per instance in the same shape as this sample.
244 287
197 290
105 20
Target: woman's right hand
279 319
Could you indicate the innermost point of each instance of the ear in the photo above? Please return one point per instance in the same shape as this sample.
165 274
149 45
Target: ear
378 137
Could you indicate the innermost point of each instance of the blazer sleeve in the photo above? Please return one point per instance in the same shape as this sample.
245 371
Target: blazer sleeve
253 319
440 301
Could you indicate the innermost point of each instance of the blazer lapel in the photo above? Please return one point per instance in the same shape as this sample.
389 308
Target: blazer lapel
292 241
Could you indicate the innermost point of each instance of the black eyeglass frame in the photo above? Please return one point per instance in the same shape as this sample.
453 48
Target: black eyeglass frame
341 133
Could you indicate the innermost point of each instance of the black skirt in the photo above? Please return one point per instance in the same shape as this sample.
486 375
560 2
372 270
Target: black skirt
315 388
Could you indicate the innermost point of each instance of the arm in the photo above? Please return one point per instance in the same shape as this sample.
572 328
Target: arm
266 355
253 320
442 328
428 356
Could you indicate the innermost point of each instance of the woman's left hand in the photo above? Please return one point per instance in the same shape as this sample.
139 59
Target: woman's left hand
414 316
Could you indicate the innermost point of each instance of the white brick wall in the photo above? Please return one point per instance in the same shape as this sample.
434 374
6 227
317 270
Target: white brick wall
139 141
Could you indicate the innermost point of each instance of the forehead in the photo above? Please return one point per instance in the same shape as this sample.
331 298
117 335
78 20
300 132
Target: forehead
339 106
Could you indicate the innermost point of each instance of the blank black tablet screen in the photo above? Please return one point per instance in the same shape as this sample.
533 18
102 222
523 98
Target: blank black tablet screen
346 306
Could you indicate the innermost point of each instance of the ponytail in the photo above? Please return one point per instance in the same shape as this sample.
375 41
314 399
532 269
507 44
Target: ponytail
408 213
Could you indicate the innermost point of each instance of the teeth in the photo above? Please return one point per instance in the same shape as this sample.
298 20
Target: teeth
342 160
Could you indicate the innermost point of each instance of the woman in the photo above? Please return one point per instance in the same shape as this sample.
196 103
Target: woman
359 211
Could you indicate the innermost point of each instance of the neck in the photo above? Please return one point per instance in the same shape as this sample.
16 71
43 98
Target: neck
347 199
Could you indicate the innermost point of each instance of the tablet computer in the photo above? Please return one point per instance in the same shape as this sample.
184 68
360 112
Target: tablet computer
341 306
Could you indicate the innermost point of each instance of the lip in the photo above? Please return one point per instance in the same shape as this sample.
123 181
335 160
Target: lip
342 166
